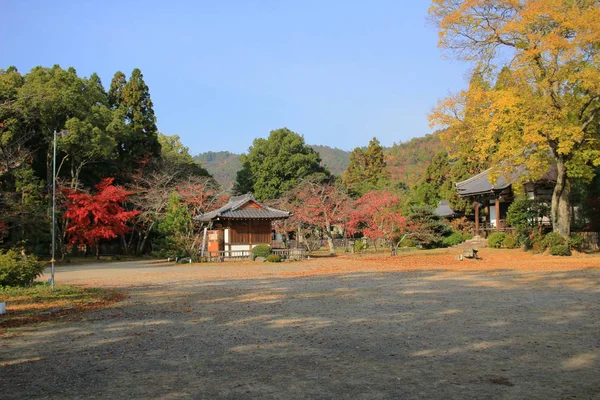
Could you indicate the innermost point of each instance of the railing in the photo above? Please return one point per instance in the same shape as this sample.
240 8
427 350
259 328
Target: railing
230 255
501 227
290 254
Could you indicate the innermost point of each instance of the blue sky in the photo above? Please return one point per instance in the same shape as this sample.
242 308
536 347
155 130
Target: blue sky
222 73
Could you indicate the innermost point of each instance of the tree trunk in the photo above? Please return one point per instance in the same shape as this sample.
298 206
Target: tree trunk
561 215
330 239
143 242
97 251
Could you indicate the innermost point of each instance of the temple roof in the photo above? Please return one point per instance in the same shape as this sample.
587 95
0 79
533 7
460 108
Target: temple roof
443 209
243 207
482 182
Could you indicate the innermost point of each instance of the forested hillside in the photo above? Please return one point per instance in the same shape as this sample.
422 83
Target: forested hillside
223 165
334 159
407 161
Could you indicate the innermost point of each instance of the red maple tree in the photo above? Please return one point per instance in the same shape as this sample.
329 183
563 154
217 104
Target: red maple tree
93 217
320 205
377 215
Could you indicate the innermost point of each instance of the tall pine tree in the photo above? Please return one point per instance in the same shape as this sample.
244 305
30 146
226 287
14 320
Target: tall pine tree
367 170
134 121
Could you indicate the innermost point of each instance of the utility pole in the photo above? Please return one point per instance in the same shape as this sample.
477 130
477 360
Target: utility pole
53 261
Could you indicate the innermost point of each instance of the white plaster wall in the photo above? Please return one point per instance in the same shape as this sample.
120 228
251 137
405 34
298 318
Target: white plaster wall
493 215
226 236
237 247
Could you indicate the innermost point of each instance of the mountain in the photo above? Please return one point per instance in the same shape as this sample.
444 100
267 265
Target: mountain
334 159
222 165
407 161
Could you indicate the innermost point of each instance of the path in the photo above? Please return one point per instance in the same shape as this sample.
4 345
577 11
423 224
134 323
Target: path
266 331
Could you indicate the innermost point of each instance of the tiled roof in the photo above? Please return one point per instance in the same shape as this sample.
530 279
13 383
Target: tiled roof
481 183
235 210
443 209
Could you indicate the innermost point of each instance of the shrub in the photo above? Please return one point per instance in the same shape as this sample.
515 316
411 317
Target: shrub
262 250
553 239
406 242
452 240
511 242
496 239
536 239
273 258
17 269
560 250
462 225
575 241
359 246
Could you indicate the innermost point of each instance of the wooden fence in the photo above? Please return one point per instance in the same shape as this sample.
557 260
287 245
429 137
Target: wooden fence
226 255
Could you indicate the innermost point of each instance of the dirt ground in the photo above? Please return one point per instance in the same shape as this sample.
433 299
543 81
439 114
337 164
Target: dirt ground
423 325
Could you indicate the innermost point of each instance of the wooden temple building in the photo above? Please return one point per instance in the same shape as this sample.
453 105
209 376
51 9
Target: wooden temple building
238 226
496 196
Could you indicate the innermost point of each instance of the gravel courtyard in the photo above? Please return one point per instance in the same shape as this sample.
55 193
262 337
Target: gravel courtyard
411 327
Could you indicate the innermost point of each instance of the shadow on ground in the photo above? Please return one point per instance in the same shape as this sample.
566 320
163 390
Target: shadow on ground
434 334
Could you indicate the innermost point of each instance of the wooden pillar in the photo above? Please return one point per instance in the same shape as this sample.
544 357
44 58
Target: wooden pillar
476 217
497 214
250 233
228 244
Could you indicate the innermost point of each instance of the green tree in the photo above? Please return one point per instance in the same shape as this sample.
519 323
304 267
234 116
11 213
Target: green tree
275 165
367 170
174 229
48 98
134 122
87 139
176 155
435 184
428 228
115 93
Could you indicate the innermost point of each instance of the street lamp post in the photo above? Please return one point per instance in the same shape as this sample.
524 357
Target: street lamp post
53 261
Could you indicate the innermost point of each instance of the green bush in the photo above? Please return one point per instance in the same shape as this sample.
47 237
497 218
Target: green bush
262 250
359 246
560 250
575 241
511 242
553 239
406 242
18 270
496 239
452 240
273 258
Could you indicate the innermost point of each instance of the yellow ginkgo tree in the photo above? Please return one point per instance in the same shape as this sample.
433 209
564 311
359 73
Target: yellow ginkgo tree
543 110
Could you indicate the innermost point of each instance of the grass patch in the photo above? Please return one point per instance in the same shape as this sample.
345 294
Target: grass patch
39 303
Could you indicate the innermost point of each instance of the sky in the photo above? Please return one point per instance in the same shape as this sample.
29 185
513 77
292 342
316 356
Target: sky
222 73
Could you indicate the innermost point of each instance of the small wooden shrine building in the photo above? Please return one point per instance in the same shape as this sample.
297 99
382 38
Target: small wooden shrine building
496 197
239 225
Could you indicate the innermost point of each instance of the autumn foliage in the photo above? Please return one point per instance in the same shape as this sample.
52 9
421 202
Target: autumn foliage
377 214
318 204
94 217
543 109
